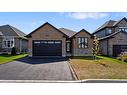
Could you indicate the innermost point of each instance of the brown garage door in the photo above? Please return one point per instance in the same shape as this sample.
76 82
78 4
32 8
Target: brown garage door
47 48
117 49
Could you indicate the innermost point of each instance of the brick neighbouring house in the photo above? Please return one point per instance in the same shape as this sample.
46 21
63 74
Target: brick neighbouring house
47 40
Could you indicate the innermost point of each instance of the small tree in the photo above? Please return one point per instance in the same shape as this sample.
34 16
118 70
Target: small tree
95 48
13 51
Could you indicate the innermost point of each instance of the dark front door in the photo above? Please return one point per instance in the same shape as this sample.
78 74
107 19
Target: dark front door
47 48
117 49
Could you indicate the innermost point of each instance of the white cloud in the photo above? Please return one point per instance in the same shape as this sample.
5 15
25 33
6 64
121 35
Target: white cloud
86 15
34 23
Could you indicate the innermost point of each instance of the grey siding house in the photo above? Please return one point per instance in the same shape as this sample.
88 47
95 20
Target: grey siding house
113 37
12 37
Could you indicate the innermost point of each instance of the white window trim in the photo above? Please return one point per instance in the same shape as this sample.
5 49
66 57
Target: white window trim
8 39
83 45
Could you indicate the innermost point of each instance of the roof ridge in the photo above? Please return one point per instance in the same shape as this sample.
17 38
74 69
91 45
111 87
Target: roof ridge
17 29
119 21
22 33
14 30
105 25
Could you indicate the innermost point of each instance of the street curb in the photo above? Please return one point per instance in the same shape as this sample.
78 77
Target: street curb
37 81
75 81
74 74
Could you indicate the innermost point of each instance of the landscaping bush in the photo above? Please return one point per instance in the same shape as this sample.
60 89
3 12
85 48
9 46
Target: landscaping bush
13 51
123 56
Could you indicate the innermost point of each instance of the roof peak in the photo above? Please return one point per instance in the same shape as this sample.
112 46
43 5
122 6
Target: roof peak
83 29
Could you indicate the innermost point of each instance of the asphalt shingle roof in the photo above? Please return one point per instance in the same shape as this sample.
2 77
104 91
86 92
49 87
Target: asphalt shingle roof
109 23
8 30
67 32
111 35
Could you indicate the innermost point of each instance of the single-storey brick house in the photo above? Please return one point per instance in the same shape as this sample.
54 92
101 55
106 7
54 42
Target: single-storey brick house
113 37
47 40
12 37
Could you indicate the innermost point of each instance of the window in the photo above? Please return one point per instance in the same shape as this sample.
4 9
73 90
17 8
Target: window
50 42
68 46
82 42
123 29
109 31
8 42
57 42
37 42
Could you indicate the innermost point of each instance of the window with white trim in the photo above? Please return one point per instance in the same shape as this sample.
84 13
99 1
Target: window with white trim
8 42
123 29
82 42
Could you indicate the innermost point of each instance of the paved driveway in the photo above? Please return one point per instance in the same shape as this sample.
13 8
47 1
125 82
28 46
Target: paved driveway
36 69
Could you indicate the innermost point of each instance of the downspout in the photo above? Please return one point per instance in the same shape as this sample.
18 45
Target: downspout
107 48
20 45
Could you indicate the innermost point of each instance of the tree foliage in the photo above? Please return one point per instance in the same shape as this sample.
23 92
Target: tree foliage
95 48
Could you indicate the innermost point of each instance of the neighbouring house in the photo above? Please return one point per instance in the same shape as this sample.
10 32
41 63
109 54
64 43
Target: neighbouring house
113 37
47 40
12 37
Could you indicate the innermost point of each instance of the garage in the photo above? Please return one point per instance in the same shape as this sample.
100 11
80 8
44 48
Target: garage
117 49
47 48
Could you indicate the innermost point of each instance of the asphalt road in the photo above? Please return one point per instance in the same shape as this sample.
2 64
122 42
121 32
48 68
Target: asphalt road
36 69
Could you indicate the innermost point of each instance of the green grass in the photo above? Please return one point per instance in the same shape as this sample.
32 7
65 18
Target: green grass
9 58
111 59
101 58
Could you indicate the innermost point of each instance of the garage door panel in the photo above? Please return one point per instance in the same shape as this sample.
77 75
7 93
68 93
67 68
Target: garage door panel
117 49
47 48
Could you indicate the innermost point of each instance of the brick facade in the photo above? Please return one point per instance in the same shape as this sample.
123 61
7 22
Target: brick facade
81 52
47 33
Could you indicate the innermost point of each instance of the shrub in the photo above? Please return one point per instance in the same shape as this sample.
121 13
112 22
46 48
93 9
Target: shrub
123 56
13 51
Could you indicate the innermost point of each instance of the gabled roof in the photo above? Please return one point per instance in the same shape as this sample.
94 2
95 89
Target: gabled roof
109 36
117 22
8 30
19 33
29 35
109 23
83 30
67 31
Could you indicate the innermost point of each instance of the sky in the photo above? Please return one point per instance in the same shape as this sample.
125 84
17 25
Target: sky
29 21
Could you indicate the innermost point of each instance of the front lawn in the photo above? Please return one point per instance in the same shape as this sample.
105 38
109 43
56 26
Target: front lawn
9 58
104 68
